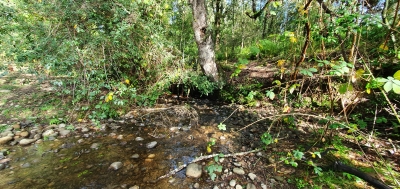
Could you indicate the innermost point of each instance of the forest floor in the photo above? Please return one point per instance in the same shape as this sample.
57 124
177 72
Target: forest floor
264 146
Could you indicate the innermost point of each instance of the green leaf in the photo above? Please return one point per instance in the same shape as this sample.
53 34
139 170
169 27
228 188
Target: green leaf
345 87
313 70
297 154
222 126
397 75
294 164
388 86
381 80
396 88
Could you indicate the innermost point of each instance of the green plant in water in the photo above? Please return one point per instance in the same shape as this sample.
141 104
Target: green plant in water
70 127
85 172
214 167
54 121
222 126
3 128
65 160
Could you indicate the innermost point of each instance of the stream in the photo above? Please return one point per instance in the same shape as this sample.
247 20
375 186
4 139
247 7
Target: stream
135 150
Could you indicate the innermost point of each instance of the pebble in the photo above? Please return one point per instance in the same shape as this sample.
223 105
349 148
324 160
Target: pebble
151 144
120 137
24 134
134 187
185 128
194 170
263 186
239 186
151 156
237 164
279 178
95 146
232 183
196 185
2 166
25 165
64 132
215 187
139 139
49 132
252 176
17 126
135 156
238 171
251 186
174 129
84 130
116 165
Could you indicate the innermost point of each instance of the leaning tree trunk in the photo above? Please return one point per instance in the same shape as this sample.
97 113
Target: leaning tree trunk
203 37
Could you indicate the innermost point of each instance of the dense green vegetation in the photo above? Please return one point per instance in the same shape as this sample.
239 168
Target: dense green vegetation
107 56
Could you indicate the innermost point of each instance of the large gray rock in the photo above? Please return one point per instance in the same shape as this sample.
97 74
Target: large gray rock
194 170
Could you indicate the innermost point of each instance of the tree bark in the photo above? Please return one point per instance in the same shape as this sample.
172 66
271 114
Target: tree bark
203 37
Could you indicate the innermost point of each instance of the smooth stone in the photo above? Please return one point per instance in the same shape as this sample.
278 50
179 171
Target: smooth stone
252 176
134 187
135 156
115 165
194 170
64 132
26 141
120 137
95 146
62 125
232 183
24 134
279 178
84 130
172 180
25 165
238 186
151 144
139 139
49 132
185 128
148 160
251 186
151 156
263 186
237 164
215 187
2 166
238 171
196 185
17 126
5 139
174 129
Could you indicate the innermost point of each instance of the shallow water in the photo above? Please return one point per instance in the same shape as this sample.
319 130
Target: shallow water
72 163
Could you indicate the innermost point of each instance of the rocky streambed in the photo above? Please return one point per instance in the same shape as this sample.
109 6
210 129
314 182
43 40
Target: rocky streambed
139 148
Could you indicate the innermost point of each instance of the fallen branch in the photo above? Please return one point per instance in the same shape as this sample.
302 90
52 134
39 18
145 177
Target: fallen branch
201 158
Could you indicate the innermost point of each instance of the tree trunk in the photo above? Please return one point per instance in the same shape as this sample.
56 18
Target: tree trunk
203 37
